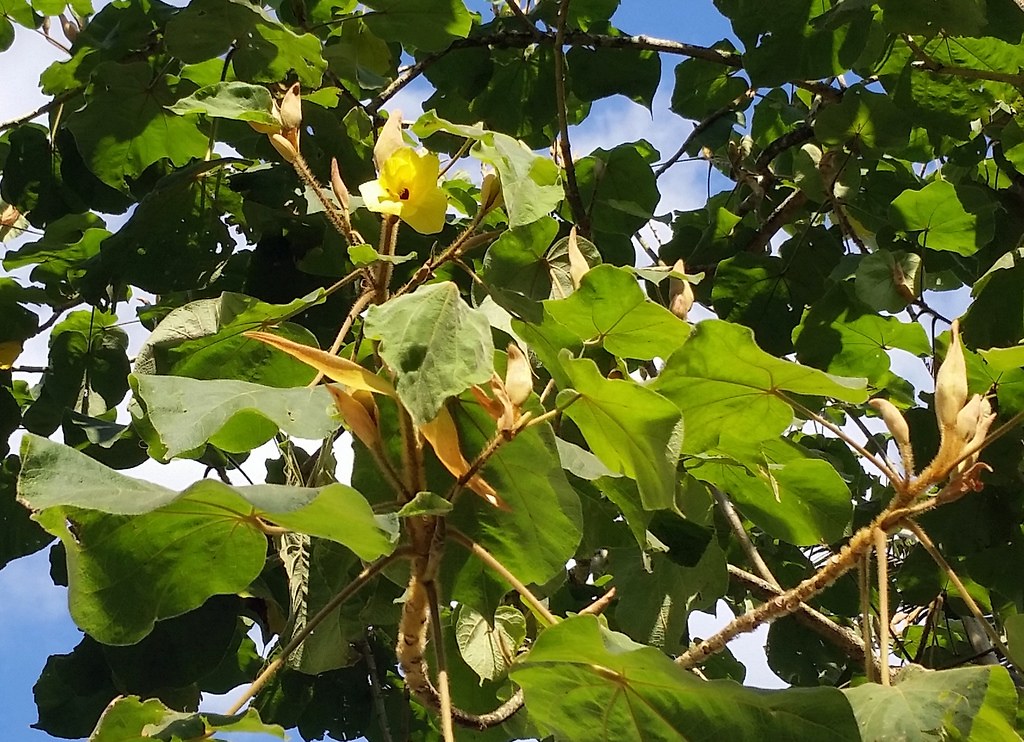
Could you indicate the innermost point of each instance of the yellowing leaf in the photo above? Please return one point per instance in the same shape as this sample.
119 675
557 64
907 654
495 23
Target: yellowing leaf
443 437
9 352
342 370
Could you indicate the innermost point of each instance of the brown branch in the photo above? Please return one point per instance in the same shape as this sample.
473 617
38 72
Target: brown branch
572 187
929 63
45 108
882 572
733 518
358 306
700 127
513 6
781 216
444 688
790 139
508 39
332 605
844 638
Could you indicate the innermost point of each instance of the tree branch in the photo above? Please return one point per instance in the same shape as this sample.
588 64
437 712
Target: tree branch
45 108
572 188
702 126
347 592
508 39
749 549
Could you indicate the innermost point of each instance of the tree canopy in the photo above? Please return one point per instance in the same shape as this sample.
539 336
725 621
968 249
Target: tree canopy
566 430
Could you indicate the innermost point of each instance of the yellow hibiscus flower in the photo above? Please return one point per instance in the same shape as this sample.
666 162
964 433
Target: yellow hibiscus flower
407 188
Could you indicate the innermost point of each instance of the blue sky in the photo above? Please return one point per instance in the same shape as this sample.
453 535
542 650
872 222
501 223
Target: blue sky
33 614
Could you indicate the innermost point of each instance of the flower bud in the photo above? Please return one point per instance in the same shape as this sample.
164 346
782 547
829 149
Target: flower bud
680 293
490 193
9 215
578 265
518 376
389 140
338 186
893 420
967 418
291 108
951 382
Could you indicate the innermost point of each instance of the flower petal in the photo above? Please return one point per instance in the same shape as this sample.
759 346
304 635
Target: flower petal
425 212
377 198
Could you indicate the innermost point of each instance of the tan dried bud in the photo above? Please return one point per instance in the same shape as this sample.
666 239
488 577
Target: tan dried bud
893 420
291 108
490 193
358 410
338 186
389 140
680 292
518 376
578 265
9 216
69 28
967 418
951 382
284 147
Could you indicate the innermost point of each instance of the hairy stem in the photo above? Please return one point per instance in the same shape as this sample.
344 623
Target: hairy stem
882 570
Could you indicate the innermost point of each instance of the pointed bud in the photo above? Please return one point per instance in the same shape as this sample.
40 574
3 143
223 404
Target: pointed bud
893 420
680 293
291 108
69 28
578 265
284 147
338 186
358 413
518 376
9 215
389 140
490 193
967 418
951 381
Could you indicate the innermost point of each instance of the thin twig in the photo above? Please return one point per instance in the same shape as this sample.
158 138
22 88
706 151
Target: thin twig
361 303
546 616
733 518
940 560
931 64
513 6
378 695
700 127
842 435
45 108
864 585
882 572
443 686
779 217
572 188
347 592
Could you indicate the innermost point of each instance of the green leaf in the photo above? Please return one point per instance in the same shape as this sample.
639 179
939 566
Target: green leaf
599 73
238 101
436 344
427 25
610 308
631 428
138 552
944 223
19 534
889 280
587 683
6 34
1004 359
728 388
125 127
703 87
618 187
842 336
425 503
130 717
528 474
489 646
798 499
977 703
863 119
203 339
234 416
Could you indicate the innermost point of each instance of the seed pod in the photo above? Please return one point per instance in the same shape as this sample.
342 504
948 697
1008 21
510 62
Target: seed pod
284 147
69 28
389 139
578 265
291 108
338 186
518 377
951 382
680 293
893 420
